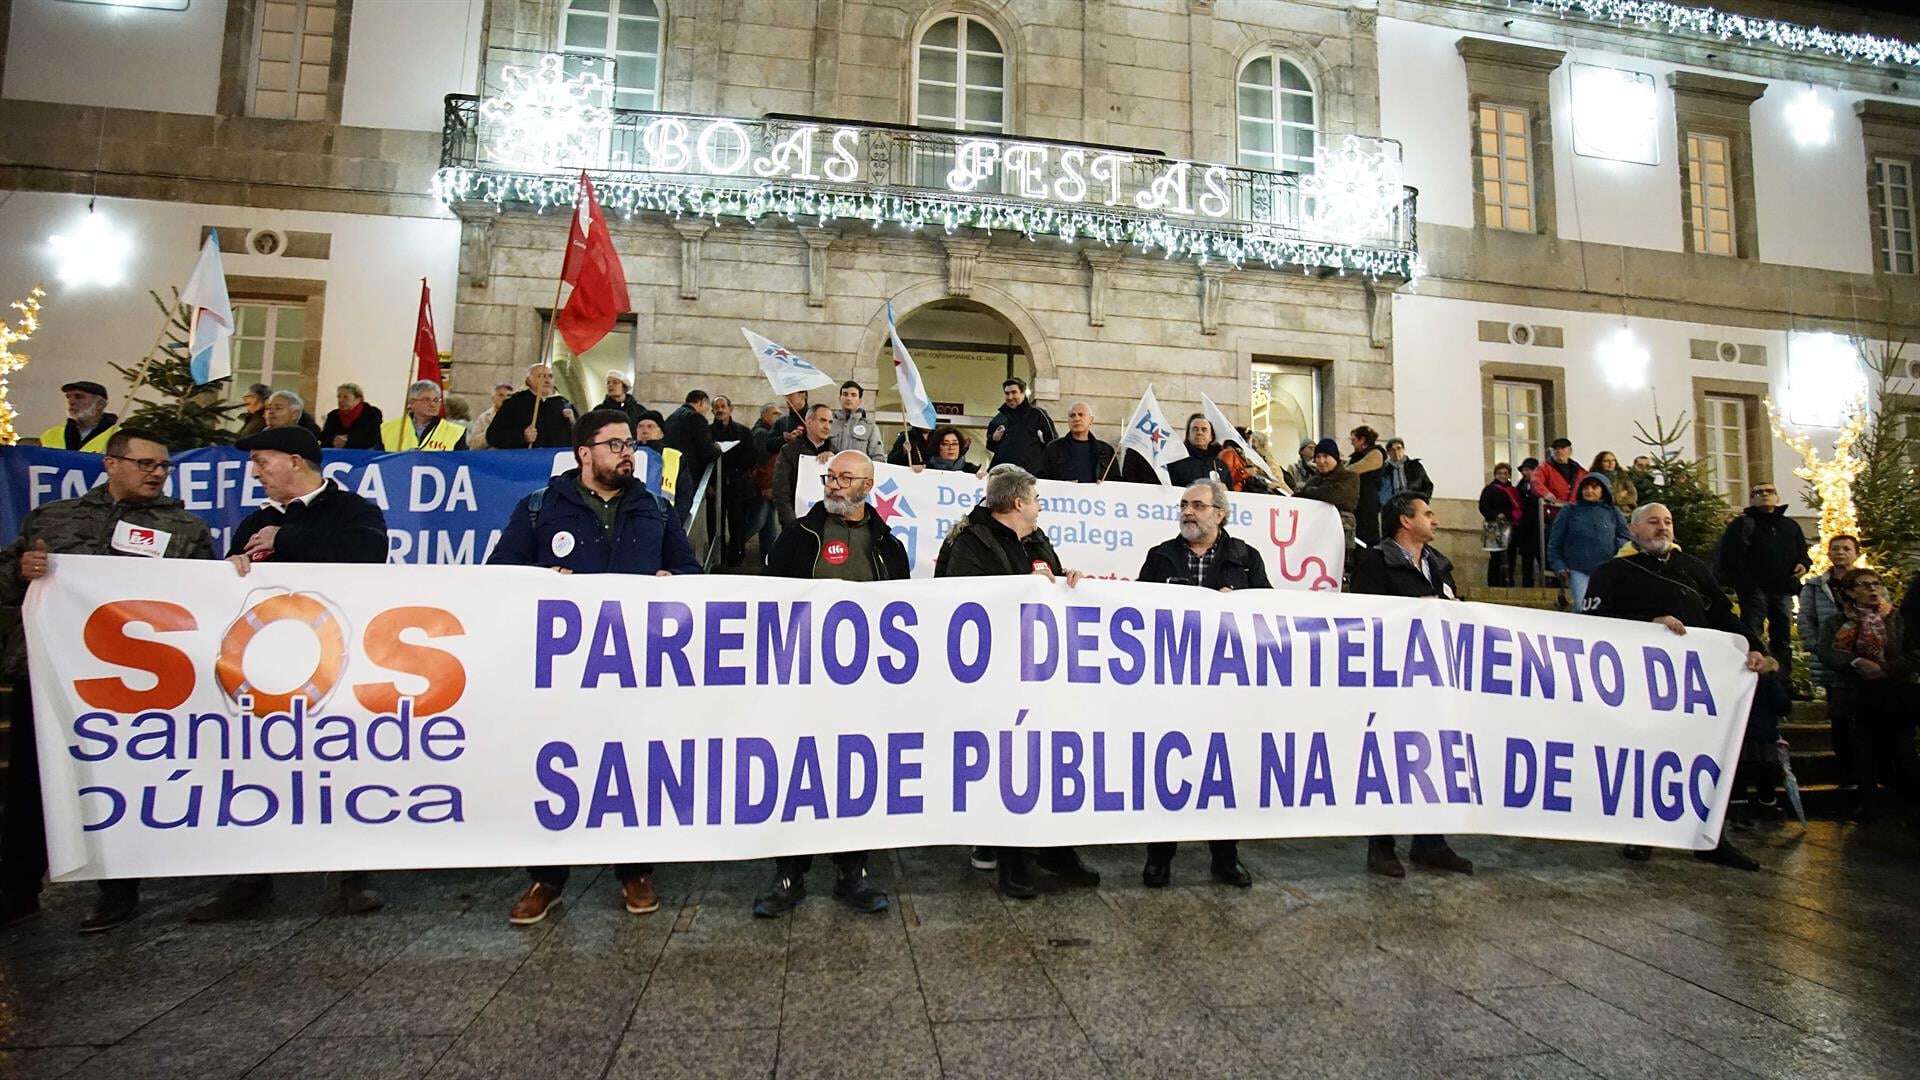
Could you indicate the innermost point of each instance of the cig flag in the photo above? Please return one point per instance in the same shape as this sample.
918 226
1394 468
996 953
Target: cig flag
592 267
210 330
915 405
1225 432
1149 435
787 371
426 348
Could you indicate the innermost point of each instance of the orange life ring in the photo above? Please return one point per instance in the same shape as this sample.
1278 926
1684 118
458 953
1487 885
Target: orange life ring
231 668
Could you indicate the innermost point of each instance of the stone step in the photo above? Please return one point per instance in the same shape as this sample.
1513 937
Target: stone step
1816 767
1805 737
1540 599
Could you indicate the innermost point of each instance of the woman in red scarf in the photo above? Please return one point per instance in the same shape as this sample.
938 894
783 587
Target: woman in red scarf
355 425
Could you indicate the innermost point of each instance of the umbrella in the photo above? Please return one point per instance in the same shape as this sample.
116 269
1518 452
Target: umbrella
1790 781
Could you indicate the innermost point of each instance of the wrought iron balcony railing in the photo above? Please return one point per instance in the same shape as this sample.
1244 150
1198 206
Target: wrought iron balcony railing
1345 211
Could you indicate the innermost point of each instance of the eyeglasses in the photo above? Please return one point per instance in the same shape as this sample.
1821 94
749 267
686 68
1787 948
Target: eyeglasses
619 445
1196 504
146 464
843 479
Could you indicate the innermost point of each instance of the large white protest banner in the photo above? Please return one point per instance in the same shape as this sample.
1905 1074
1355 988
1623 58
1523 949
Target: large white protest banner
193 721
1101 529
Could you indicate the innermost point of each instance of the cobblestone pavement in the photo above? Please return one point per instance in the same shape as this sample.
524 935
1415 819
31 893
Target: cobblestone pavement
1553 960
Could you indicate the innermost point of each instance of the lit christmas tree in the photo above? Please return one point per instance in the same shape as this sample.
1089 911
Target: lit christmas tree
11 361
1831 479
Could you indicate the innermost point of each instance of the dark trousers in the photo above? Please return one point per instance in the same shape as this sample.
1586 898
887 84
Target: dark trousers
1421 844
1840 726
796 866
1366 524
23 834
740 497
1223 852
556 876
1776 610
1882 738
1500 568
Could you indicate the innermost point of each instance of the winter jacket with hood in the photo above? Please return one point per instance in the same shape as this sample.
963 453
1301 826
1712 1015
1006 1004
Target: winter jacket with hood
853 429
1024 433
1759 551
1818 603
646 537
798 548
1585 535
979 546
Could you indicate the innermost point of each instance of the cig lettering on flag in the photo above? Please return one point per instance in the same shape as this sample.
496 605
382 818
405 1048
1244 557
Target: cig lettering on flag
1149 435
915 405
210 328
785 369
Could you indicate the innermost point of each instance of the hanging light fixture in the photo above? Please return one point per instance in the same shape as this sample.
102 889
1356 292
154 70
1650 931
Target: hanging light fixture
93 253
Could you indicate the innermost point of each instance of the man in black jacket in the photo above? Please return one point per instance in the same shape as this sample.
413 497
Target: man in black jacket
736 476
1077 457
1203 555
1405 563
1657 582
841 539
535 416
1762 556
1019 433
1002 536
810 442
307 519
690 431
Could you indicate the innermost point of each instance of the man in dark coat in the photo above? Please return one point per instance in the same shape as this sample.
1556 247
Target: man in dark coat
842 539
1655 581
307 519
1002 536
536 416
1203 451
1405 563
355 425
1077 457
101 522
594 519
1019 433
736 475
810 442
1762 556
690 431
1205 556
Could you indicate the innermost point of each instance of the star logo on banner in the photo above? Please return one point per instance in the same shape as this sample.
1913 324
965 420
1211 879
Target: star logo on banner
890 502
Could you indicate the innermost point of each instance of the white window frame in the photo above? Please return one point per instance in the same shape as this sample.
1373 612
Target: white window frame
1277 92
1726 445
961 83
1892 249
1507 446
1498 212
290 380
294 61
610 50
1263 371
1702 189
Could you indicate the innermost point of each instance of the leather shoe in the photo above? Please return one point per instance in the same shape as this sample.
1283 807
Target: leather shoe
639 895
1636 852
1065 864
534 904
1232 874
1156 875
1442 858
1016 876
1381 860
1728 855
114 907
786 895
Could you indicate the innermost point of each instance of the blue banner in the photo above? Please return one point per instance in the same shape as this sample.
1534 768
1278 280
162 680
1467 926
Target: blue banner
440 507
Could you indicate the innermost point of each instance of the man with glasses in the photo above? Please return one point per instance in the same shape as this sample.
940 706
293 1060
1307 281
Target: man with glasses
594 519
842 539
1762 556
129 515
1203 555
423 428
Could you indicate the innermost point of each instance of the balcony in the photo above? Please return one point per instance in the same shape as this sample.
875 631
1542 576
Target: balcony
1347 214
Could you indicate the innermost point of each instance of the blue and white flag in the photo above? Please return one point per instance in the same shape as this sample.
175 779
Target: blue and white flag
1149 435
210 329
1224 432
787 371
915 405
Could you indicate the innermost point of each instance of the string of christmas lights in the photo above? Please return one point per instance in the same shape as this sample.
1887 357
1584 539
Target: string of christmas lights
1832 478
918 209
1719 25
10 361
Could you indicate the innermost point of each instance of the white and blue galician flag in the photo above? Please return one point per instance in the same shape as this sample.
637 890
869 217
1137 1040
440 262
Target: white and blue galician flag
1149 435
786 370
210 330
1224 432
915 405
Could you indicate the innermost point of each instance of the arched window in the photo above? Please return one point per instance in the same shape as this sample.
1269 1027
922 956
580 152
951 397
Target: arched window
1277 115
618 40
960 77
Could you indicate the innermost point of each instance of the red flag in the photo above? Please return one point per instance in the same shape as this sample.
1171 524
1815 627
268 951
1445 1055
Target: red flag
426 351
593 269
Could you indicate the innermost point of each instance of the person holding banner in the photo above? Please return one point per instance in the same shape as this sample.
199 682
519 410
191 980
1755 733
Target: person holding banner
423 428
1203 555
839 539
1077 457
1652 580
594 519
307 519
1405 563
129 514
1002 535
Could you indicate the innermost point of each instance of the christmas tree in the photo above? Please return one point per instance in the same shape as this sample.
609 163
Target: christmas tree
1885 494
1684 487
182 413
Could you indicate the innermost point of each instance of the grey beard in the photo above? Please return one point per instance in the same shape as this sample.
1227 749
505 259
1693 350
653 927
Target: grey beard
1192 531
840 506
1655 547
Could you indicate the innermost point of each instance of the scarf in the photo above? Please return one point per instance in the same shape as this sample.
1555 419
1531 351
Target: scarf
956 465
1865 637
349 417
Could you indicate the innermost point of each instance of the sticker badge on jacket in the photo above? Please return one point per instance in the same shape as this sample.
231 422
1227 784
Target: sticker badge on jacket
140 540
562 544
835 552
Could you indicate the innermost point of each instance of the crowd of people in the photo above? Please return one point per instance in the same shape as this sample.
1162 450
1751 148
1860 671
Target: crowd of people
1620 556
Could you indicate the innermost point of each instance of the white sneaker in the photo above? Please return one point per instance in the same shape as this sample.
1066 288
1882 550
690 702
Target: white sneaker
983 859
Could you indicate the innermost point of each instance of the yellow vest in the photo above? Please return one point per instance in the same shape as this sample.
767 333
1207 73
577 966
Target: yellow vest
55 438
397 435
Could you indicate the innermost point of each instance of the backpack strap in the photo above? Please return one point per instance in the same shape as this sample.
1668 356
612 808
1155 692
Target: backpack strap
534 502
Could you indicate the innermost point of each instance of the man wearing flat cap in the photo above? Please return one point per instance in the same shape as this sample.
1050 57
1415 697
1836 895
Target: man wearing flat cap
307 519
89 425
